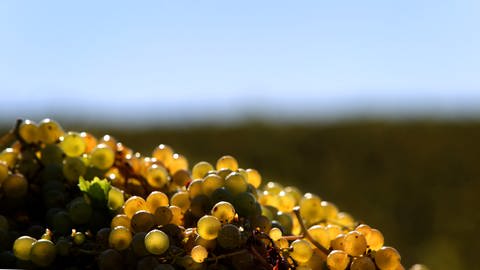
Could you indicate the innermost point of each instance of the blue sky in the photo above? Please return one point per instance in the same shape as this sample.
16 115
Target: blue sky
196 60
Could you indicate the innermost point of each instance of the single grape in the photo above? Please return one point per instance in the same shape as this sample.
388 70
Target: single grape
115 198
181 199
221 194
22 247
227 162
330 210
354 243
223 173
236 183
49 131
79 210
181 178
164 154
9 156
73 144
120 238
261 223
338 260
155 200
142 221
51 154
345 220
333 230
63 246
338 242
245 204
28 131
362 263
177 163
273 188
286 221
163 215
138 244
282 243
320 234
224 211
295 192
199 253
310 208
375 240
102 157
73 168
90 141
211 183
15 186
286 201
254 177
301 250
229 236
387 258
195 188
157 176
275 233
156 242
134 204
208 244
201 169
79 238
208 227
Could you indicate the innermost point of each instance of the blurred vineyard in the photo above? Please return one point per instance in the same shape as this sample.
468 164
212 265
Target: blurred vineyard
417 181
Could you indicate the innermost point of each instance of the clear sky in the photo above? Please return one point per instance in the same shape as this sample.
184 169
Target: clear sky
190 60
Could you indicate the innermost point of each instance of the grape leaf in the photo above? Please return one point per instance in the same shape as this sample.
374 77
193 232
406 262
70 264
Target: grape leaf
97 189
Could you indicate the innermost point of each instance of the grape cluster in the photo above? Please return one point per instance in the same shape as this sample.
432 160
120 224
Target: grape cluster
73 201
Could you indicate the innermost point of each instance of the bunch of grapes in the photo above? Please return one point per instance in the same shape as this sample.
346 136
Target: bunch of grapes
72 201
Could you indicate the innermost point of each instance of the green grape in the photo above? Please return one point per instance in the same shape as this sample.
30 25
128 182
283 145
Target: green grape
28 131
51 154
156 242
79 238
15 186
338 260
229 236
301 251
163 215
362 263
79 210
134 204
61 223
224 211
345 220
286 201
375 240
121 220
223 173
211 183
245 204
310 208
73 168
177 215
273 188
387 258
227 162
157 176
142 221
120 238
181 178
115 198
199 253
101 238
138 244
3 171
22 247
195 188
338 242
110 259
177 163
254 178
236 183
49 131
208 244
164 154
9 156
208 227
320 235
354 243
201 169
182 200
330 211
275 233
73 144
63 246
155 200
102 157
221 194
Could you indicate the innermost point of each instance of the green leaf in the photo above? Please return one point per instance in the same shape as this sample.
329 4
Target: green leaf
97 189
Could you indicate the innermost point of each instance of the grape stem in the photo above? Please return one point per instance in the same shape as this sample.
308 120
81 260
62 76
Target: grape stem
216 258
7 139
296 210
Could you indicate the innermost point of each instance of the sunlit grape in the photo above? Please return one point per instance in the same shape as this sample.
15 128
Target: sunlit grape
134 204
120 238
212 182
102 157
254 177
275 234
301 250
333 230
164 154
73 144
157 176
320 235
115 198
9 156
22 247
195 188
90 141
201 169
181 199
345 220
28 131
375 240
163 215
236 183
227 162
310 208
49 131
208 227
199 253
224 211
338 260
329 210
338 242
73 168
156 242
177 215
286 201
273 188
354 243
181 178
387 258
178 162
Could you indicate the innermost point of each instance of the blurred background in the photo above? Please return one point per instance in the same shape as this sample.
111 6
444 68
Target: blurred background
373 105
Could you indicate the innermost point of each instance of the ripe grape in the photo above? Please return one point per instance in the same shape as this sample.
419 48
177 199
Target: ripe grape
72 144
227 162
178 162
310 208
245 204
9 156
330 211
275 234
182 200
164 154
134 204
73 168
375 240
211 183
354 243
273 188
201 169
362 263
181 178
177 215
49 131
345 220
22 247
115 199
224 211
156 242
3 171
387 258
155 200
338 260
163 215
121 220
102 157
120 238
229 236
195 188
286 201
338 242
199 253
28 131
142 221
157 176
51 154
254 178
320 235
208 227
301 250
15 186
90 141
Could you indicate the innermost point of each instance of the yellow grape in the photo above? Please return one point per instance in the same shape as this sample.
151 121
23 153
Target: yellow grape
195 188
157 176
164 154
236 183
28 131
275 233
156 199
178 162
211 182
109 141
134 204
338 242
282 243
224 211
273 188
354 243
320 235
362 263
269 199
333 230
90 141
9 156
227 162
156 242
254 178
102 157
182 200
177 215
295 192
115 199
22 247
301 250
387 258
199 253
201 169
208 227
310 208
181 178
15 186
120 238
43 252
49 131
120 220
375 240
345 220
330 211
3 171
286 202
72 144
338 260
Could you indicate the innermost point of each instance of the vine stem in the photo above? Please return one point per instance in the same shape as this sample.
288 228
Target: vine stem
216 258
296 210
